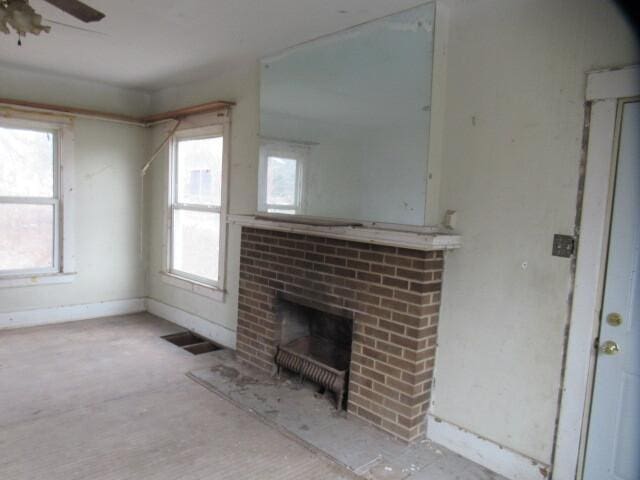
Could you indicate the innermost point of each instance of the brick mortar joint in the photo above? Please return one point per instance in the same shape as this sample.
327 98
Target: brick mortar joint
348 281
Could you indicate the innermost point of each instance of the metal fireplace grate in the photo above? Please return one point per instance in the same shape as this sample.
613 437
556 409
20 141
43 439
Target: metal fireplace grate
319 360
192 343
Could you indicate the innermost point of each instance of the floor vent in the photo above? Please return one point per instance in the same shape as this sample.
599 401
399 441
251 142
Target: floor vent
192 343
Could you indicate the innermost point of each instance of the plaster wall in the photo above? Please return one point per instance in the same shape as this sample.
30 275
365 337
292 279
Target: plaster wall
109 257
240 86
514 108
107 159
513 131
40 87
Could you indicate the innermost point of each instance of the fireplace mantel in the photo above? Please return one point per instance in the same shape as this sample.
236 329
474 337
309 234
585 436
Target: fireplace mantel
417 238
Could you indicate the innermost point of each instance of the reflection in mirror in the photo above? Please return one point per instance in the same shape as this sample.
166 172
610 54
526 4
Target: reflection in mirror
281 171
344 122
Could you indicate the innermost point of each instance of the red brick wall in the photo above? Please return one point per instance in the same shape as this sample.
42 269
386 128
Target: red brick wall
394 294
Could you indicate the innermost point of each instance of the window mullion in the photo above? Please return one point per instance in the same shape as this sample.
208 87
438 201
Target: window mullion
29 200
281 205
197 207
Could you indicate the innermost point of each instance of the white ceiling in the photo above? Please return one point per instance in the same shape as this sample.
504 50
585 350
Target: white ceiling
151 44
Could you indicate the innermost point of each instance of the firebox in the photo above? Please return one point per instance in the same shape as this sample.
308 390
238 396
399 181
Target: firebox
390 295
315 344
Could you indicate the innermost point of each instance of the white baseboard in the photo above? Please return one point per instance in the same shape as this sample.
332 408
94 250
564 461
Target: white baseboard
210 330
491 455
70 313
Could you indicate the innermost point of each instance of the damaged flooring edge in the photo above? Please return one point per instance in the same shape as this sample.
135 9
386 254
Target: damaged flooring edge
282 430
211 331
485 452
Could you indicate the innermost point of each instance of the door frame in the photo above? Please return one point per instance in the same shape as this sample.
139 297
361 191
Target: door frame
604 92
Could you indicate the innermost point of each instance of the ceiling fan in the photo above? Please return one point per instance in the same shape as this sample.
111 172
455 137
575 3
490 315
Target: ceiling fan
23 19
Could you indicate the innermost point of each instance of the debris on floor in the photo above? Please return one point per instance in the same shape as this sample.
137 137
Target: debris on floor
300 412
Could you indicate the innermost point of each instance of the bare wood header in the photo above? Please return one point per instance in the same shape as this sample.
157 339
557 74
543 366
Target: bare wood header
209 107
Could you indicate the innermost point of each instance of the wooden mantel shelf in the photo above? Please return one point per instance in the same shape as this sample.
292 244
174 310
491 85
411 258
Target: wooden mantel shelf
417 238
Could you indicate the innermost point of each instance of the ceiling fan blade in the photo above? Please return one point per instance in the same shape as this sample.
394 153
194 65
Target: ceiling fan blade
78 9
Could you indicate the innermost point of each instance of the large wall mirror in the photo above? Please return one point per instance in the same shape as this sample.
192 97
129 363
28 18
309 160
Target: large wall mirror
344 123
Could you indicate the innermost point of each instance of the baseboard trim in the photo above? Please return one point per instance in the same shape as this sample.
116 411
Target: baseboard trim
70 313
212 331
491 455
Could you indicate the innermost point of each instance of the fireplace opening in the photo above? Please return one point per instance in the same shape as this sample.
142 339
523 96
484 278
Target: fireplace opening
315 343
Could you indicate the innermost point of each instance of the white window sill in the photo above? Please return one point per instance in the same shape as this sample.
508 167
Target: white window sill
198 288
36 279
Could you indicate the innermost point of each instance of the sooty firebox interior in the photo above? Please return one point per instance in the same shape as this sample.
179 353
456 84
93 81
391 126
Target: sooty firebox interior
315 343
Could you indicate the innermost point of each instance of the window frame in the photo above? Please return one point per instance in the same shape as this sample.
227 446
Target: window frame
63 265
281 149
216 130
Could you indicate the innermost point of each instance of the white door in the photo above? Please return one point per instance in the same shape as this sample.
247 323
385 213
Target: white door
613 444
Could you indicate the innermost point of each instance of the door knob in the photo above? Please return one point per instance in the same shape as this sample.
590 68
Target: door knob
610 348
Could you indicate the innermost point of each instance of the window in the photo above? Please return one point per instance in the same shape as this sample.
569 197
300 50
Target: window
281 170
30 196
197 206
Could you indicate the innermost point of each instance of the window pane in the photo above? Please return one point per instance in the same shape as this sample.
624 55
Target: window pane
199 170
288 211
26 163
26 236
281 181
196 243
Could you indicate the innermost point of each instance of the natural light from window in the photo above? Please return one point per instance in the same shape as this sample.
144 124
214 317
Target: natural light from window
28 201
196 208
282 184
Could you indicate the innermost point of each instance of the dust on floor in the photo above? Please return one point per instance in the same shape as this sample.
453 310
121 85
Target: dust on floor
298 411
107 399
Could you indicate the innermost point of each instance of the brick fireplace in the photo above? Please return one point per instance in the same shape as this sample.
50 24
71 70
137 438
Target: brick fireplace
391 293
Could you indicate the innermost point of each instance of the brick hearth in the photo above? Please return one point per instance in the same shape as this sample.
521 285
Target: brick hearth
393 293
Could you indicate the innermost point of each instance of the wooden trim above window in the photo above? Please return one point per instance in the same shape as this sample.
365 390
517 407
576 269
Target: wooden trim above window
145 120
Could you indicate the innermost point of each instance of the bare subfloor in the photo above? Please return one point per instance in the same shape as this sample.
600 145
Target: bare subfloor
108 399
